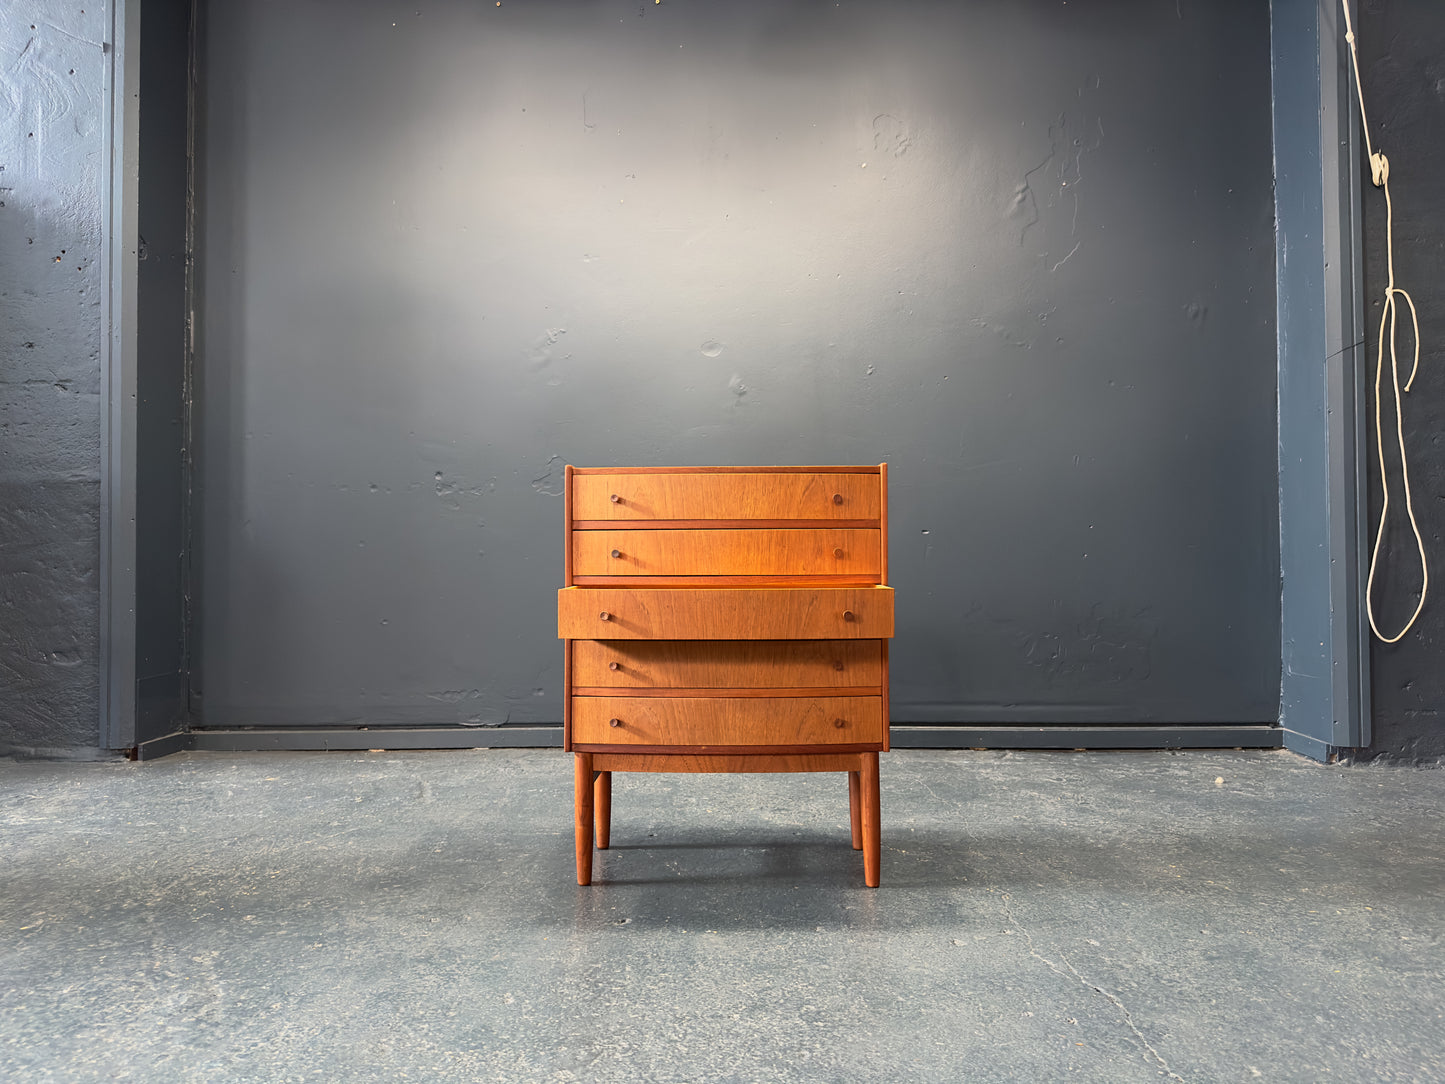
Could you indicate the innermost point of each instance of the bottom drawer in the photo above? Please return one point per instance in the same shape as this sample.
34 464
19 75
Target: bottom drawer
742 720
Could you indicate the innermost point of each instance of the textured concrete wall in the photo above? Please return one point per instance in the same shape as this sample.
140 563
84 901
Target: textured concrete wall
1402 58
51 110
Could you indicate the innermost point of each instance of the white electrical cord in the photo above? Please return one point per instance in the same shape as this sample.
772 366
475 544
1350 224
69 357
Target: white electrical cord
1380 174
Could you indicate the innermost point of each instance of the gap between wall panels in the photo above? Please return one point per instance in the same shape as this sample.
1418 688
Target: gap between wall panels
188 390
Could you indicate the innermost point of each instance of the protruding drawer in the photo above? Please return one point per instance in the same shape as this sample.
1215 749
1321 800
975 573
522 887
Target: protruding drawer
719 721
726 553
786 495
726 664
725 613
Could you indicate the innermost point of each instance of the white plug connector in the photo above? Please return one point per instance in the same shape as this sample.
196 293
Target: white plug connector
1379 169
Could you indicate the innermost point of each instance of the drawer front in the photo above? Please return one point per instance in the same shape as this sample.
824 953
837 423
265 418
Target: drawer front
726 553
698 720
726 664
725 496
735 613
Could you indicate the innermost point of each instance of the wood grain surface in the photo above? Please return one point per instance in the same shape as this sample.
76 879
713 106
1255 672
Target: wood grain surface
582 799
724 524
801 468
726 553
870 821
725 496
723 721
602 807
726 619
723 762
726 581
739 613
716 664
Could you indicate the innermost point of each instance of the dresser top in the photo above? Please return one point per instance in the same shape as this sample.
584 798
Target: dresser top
832 469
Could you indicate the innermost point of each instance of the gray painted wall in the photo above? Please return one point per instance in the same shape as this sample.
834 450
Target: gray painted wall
1402 56
1323 691
51 86
1305 702
1023 252
51 110
160 368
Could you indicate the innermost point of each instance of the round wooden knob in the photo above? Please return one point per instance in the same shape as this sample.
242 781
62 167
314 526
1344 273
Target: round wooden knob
614 666
614 722
615 499
616 554
605 616
838 552
848 615
840 723
837 664
837 498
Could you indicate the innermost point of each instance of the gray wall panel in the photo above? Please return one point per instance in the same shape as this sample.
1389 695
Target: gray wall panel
1022 252
160 369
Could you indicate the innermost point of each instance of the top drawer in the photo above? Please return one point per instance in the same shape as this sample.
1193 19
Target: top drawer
777 496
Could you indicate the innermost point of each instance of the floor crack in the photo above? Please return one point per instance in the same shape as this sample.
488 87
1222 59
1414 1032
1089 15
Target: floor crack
937 798
1068 970
1066 258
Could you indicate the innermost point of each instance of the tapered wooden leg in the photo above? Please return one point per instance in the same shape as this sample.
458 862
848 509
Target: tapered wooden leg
855 811
582 815
602 798
872 836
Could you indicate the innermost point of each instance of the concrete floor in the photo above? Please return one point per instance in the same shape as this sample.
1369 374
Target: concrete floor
412 916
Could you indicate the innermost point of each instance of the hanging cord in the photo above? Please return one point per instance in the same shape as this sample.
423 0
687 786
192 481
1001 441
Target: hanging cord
1380 174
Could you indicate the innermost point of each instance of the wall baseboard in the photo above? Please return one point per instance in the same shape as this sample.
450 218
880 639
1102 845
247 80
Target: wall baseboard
904 736
1180 736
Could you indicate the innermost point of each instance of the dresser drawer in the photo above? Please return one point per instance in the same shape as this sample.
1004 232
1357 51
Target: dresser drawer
788 495
699 720
725 613
727 553
726 664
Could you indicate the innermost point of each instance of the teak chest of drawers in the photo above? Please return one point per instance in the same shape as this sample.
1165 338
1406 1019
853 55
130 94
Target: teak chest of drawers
726 619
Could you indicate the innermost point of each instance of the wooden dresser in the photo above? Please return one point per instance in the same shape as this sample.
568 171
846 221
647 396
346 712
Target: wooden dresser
726 619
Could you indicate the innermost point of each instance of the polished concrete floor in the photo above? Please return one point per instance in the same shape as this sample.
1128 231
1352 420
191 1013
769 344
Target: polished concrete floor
1206 916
